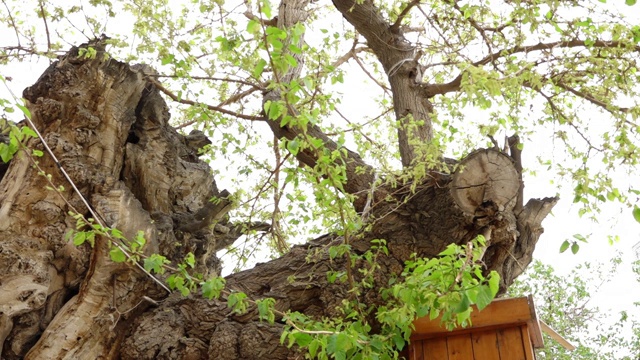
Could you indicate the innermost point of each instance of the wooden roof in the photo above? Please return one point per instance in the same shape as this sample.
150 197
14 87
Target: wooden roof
499 314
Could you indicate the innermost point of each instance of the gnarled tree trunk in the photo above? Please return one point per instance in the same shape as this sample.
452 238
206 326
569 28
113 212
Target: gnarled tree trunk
108 126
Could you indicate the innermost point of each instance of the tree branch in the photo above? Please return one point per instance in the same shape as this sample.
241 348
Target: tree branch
399 58
550 46
396 25
590 98
431 90
359 174
175 98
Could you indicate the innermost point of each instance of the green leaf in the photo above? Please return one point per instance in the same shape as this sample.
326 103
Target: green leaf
265 311
91 238
79 238
28 132
265 8
484 298
154 263
564 246
575 248
5 153
117 255
69 235
190 260
293 146
494 283
213 287
117 234
462 317
25 111
253 26
580 237
636 213
302 339
313 348
259 68
237 301
630 2
450 250
463 305
139 240
294 49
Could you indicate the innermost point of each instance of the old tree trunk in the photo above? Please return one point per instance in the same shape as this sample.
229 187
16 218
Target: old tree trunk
107 124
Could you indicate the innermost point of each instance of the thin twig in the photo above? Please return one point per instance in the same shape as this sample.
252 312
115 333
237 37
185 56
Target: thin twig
46 27
13 22
175 98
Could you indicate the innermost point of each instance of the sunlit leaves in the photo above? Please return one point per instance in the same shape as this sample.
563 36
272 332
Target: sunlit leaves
238 302
636 213
155 263
212 288
448 286
117 255
265 309
259 68
573 244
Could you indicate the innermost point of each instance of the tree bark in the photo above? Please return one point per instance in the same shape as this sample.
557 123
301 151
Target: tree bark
108 125
399 59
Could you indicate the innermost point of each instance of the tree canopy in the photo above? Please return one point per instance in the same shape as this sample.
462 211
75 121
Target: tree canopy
339 120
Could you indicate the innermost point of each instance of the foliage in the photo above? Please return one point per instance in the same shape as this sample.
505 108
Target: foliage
446 286
539 68
565 303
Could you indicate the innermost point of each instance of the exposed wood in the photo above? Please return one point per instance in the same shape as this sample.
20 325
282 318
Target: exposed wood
528 348
485 176
500 313
510 341
555 336
485 345
459 347
435 349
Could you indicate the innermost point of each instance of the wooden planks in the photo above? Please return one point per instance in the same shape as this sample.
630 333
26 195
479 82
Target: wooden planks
510 343
496 344
507 329
500 313
485 345
435 349
460 347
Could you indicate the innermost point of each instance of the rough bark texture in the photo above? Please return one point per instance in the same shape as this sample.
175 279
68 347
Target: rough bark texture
109 127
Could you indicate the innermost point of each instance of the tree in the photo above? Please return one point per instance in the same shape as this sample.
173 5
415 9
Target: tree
567 306
110 194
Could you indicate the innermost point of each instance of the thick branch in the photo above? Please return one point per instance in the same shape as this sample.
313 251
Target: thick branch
400 61
359 174
431 90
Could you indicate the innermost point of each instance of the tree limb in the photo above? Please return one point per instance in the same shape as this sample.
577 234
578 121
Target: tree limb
399 58
396 25
175 98
359 174
431 90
